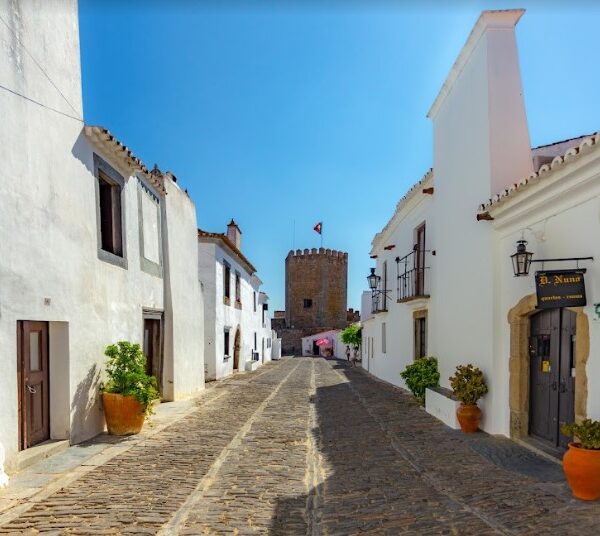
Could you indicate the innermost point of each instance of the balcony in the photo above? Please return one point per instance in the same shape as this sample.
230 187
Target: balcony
379 303
413 276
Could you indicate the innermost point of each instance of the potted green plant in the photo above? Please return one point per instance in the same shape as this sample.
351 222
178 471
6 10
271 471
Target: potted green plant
468 385
128 394
420 375
581 462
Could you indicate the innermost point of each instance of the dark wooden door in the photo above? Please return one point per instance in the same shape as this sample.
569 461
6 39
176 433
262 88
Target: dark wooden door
153 348
236 349
552 387
34 383
566 379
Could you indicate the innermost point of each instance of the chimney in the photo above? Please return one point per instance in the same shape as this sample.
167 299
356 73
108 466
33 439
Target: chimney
234 234
479 120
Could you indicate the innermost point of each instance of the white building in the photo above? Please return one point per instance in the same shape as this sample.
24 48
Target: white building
446 285
334 348
264 329
96 248
548 367
234 326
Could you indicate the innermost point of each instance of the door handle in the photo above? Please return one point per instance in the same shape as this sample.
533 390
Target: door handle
554 385
563 386
31 389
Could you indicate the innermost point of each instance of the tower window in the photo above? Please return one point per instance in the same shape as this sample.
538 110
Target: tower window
307 303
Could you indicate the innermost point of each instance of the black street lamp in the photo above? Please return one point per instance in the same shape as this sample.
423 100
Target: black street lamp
521 260
373 279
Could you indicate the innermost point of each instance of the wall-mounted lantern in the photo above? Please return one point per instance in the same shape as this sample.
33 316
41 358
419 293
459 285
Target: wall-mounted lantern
521 260
373 279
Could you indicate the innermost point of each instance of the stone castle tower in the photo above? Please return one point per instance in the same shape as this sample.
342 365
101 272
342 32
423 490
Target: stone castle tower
316 293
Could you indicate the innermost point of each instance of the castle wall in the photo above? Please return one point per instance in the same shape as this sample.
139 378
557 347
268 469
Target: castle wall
322 277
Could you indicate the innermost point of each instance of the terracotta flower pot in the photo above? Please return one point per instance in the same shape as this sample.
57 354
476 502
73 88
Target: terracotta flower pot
582 469
124 414
468 417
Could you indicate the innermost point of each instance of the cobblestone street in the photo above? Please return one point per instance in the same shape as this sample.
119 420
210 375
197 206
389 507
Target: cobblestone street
308 446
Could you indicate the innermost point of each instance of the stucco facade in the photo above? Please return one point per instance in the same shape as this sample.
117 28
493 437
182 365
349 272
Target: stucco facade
233 318
58 271
472 309
556 214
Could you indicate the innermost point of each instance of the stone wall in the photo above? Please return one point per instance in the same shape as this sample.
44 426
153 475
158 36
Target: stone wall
320 276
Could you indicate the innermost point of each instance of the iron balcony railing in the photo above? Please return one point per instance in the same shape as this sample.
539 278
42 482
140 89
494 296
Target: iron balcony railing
378 303
413 275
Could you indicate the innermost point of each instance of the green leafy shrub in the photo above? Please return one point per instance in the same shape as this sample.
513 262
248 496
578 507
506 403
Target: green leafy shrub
126 371
352 335
468 384
588 433
421 374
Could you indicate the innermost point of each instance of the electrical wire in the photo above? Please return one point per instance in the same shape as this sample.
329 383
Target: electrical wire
40 103
10 29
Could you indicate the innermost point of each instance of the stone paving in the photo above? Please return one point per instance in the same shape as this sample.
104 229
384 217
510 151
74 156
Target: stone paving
308 446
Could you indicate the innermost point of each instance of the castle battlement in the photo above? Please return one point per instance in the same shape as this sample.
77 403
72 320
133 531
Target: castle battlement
314 252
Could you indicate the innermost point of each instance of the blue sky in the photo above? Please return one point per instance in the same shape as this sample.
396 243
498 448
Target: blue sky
275 112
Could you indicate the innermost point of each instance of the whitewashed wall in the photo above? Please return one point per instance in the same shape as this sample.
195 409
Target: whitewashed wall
334 336
481 145
184 301
49 269
211 274
399 318
560 218
207 274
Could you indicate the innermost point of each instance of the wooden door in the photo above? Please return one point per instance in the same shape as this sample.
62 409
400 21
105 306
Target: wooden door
34 383
566 379
153 348
236 349
552 387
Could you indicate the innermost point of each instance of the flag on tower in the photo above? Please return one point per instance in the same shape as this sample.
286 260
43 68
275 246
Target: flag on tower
319 227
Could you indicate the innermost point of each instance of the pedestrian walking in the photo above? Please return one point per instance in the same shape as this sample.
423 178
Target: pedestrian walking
348 353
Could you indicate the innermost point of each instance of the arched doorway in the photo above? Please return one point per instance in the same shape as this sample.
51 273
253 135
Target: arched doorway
236 349
531 381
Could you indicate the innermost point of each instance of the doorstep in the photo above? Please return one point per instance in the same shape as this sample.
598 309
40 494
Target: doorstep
32 455
549 453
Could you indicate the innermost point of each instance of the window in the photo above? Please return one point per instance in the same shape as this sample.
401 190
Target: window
307 303
110 216
238 289
255 342
383 341
254 301
420 338
226 282
226 347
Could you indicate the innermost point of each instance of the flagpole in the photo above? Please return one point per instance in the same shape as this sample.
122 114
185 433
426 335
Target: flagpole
321 233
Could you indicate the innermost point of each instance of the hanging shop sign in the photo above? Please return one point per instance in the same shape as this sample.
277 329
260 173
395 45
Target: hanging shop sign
560 288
